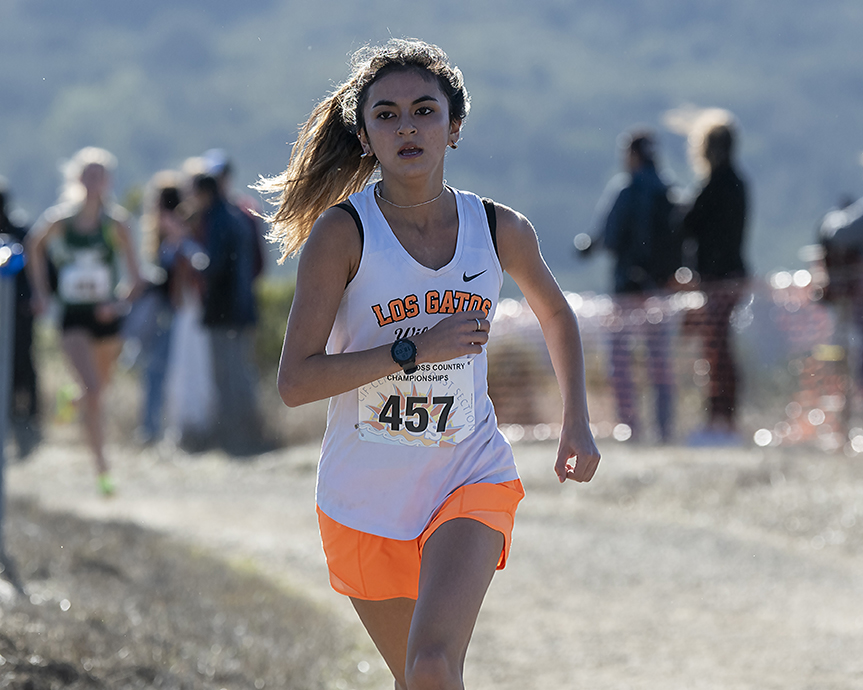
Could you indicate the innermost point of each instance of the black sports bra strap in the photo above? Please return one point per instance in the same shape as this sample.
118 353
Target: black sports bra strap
349 207
487 203
492 222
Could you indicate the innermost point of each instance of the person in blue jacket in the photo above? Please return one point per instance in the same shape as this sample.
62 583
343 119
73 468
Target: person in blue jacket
636 225
229 315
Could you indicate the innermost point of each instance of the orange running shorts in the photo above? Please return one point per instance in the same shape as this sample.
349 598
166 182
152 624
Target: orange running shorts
366 566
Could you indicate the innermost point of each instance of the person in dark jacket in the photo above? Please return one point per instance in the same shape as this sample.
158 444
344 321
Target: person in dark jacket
636 226
841 237
716 224
24 407
228 316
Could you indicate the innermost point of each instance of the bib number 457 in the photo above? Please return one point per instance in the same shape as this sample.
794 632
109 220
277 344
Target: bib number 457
417 413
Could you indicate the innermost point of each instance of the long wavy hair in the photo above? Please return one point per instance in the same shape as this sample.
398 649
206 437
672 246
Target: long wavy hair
712 140
72 191
164 192
72 169
325 166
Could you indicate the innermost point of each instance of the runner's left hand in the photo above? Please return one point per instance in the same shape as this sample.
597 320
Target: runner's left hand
576 441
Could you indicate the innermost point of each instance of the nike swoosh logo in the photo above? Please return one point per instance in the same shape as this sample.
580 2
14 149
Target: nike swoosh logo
466 278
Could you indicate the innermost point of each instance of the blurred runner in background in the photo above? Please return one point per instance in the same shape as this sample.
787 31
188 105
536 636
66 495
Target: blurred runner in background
87 236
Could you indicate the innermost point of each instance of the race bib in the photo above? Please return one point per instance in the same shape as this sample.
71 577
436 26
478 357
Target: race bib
84 281
434 406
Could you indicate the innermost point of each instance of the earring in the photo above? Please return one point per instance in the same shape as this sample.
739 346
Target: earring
365 154
453 145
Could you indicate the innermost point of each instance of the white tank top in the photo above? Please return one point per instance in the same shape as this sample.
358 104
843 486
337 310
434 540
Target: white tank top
395 449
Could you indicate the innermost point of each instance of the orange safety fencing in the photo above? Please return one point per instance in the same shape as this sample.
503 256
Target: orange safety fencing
797 357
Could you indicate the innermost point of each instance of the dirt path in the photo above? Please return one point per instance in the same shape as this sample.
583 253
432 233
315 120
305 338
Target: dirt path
673 569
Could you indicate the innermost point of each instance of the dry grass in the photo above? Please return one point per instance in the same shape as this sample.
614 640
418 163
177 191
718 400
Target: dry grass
114 606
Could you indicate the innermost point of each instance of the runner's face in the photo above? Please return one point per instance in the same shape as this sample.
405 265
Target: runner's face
407 123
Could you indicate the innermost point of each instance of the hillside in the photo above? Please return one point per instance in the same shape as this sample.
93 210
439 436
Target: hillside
553 84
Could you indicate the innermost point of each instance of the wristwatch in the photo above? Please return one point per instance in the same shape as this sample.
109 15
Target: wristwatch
404 354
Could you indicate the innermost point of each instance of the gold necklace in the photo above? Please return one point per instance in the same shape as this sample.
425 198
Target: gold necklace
422 203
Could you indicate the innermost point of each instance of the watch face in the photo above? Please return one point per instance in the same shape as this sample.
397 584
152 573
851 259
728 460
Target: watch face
403 351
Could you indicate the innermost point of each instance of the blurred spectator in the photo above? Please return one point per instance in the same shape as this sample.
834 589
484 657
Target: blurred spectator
219 166
636 224
715 226
841 235
86 235
190 391
229 314
166 250
24 401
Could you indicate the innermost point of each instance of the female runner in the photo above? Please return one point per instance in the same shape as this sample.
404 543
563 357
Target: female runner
86 235
396 290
